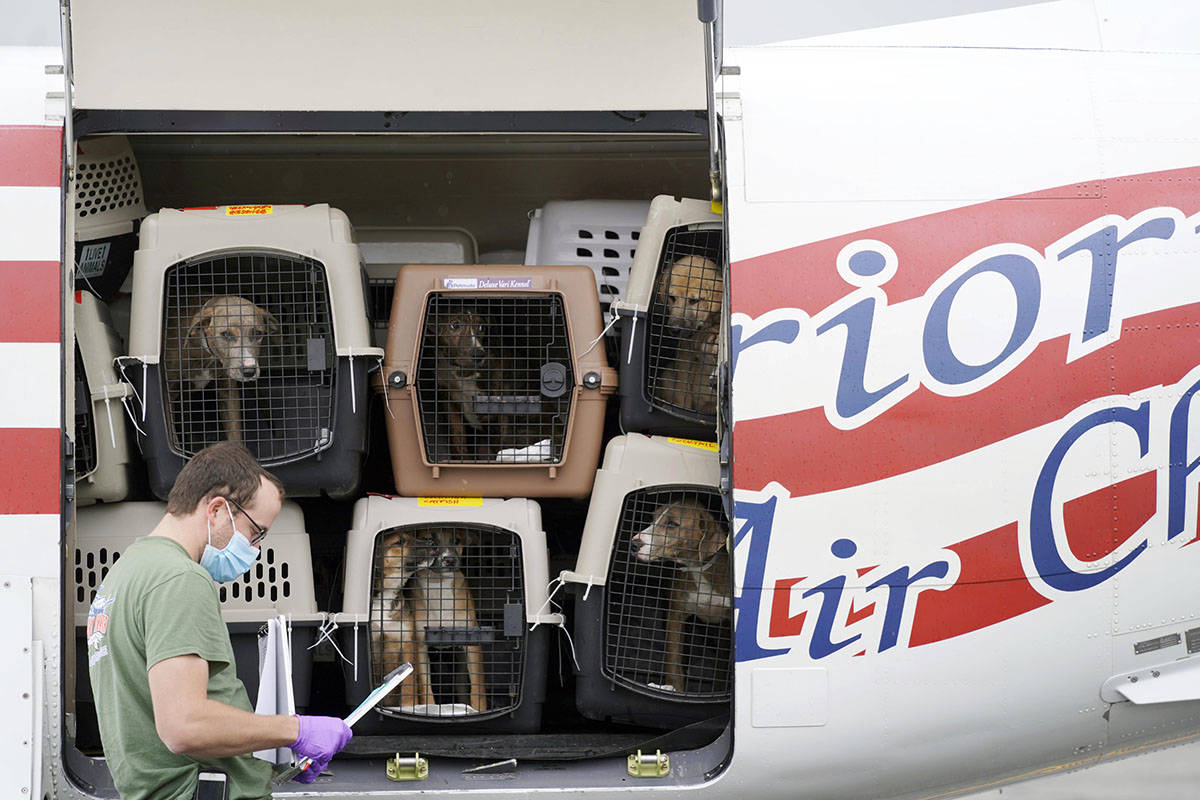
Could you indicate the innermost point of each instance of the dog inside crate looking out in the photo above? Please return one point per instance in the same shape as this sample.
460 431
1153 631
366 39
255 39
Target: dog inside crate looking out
689 297
684 533
420 595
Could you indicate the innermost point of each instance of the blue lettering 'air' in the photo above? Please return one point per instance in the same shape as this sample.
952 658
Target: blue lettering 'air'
1180 468
898 583
822 643
1104 268
784 331
852 395
1046 557
759 518
940 361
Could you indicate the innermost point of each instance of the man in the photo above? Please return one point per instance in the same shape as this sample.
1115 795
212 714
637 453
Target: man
168 698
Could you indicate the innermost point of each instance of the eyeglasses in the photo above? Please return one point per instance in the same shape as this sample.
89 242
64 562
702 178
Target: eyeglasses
259 530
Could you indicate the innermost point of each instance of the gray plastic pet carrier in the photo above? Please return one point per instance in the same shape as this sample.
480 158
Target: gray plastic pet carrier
279 583
102 458
108 206
671 322
249 324
653 587
457 587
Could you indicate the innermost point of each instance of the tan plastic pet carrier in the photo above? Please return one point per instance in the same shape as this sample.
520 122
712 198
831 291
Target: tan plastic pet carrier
653 587
249 323
386 249
671 322
108 206
458 588
496 381
279 583
101 439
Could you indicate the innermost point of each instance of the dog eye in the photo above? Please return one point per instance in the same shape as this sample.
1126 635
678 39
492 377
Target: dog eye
258 333
672 523
454 326
228 336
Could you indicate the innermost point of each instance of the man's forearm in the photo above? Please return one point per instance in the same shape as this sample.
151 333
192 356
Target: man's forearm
214 730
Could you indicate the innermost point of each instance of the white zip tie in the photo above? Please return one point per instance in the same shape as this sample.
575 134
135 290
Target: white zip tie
353 393
632 337
132 416
571 644
112 429
356 649
386 389
607 328
588 590
557 583
143 403
326 635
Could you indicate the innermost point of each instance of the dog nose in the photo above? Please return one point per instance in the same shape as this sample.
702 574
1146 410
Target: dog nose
249 372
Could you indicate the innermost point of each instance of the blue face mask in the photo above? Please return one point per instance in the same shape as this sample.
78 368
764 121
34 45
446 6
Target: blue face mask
230 562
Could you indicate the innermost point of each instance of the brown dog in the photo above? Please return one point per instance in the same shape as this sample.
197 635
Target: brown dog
686 534
691 291
421 588
459 358
223 341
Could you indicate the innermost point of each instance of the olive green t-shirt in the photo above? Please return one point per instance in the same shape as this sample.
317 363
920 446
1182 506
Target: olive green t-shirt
157 603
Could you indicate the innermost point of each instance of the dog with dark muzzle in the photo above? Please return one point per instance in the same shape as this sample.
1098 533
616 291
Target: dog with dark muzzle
460 359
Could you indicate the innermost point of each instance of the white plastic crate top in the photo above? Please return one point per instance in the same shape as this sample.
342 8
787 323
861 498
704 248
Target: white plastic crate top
98 345
666 213
376 513
318 232
102 529
601 234
633 462
385 249
108 188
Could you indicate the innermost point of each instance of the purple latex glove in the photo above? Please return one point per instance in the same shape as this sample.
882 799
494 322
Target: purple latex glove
321 738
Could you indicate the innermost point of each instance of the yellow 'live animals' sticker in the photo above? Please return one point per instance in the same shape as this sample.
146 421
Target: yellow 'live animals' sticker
442 502
694 443
249 211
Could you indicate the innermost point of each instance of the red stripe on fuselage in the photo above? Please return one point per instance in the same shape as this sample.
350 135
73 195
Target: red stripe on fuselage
30 156
807 455
31 302
30 474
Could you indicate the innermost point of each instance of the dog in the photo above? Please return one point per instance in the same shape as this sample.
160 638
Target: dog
686 534
459 361
691 291
222 342
422 588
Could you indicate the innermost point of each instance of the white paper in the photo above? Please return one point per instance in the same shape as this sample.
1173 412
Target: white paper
275 692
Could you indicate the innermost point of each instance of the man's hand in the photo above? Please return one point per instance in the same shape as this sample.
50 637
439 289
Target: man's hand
320 738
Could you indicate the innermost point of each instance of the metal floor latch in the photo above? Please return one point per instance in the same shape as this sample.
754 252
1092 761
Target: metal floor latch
407 768
650 766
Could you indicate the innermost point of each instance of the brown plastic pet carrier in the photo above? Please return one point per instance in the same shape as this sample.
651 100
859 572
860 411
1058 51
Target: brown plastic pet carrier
496 381
457 587
653 587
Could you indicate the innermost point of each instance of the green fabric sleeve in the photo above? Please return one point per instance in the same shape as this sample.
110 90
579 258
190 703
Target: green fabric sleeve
182 616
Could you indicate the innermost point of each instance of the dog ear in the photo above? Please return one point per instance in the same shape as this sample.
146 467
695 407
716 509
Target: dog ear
200 320
713 539
273 326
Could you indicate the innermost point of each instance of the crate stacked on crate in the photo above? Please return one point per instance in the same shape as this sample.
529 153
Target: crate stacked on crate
456 587
671 322
102 454
495 381
249 324
652 587
279 583
108 207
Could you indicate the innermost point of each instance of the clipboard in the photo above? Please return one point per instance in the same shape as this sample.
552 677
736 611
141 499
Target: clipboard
390 682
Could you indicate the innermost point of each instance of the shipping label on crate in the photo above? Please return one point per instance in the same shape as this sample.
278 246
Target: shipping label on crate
249 211
712 446
487 283
448 502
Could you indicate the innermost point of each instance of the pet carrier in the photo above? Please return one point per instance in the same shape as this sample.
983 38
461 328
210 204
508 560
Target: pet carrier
101 441
652 587
108 205
249 323
385 249
457 587
670 322
279 583
495 381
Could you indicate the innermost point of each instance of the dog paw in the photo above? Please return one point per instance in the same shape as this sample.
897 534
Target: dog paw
664 687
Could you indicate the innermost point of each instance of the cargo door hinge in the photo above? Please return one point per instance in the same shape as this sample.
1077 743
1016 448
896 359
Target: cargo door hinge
650 766
407 768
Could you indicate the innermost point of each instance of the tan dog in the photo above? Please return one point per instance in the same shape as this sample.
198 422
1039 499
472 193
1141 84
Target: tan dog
460 358
691 289
223 341
688 381
686 534
421 589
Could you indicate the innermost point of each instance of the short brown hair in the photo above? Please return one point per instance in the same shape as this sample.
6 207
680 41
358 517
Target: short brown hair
224 469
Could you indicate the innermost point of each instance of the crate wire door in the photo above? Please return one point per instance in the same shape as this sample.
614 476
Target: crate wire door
494 379
685 315
639 596
286 405
85 425
449 598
